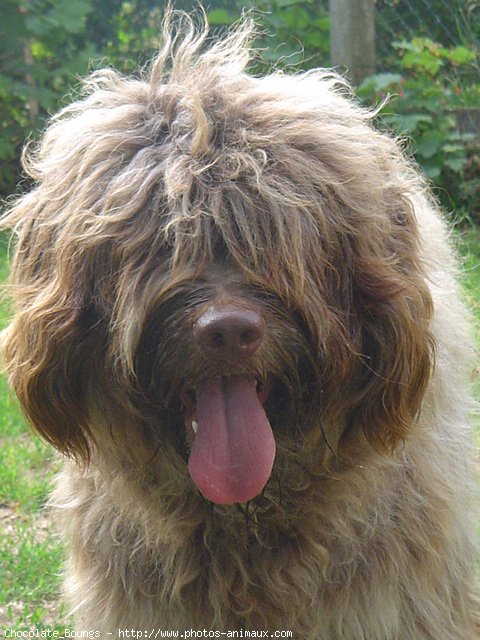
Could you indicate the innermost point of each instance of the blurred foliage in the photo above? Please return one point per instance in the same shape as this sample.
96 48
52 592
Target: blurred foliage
434 100
293 33
47 45
42 45
447 21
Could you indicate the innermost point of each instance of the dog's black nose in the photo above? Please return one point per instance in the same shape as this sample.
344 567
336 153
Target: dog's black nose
229 332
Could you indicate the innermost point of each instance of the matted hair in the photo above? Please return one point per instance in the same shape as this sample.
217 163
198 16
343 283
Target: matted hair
153 197
150 178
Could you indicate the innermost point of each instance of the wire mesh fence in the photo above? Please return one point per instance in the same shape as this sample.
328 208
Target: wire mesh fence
447 22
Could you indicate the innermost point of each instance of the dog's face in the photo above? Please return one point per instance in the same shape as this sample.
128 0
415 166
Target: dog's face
231 366
203 277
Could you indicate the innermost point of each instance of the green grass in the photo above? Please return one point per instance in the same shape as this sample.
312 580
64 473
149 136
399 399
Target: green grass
470 250
471 255
469 245
25 553
30 554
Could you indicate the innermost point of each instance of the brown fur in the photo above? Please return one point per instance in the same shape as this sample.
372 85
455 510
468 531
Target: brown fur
199 186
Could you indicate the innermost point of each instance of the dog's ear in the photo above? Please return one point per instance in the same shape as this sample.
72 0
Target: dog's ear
396 358
393 348
48 354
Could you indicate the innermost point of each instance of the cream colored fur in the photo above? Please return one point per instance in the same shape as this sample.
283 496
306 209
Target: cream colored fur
276 193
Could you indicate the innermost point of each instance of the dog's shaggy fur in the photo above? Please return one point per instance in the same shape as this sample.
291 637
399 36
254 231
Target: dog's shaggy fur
168 212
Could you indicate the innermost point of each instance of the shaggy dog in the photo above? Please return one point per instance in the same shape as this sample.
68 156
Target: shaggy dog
237 317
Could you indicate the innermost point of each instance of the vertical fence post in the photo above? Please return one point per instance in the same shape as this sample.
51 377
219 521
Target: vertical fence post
352 37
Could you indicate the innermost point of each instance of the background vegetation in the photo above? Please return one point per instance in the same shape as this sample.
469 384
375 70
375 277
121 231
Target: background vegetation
428 56
428 63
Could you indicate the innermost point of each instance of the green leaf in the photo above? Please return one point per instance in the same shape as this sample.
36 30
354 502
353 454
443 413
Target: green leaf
462 55
46 98
77 65
70 15
409 123
464 137
21 89
7 149
455 163
422 60
428 145
295 18
432 171
380 81
406 46
39 25
219 16
39 50
453 148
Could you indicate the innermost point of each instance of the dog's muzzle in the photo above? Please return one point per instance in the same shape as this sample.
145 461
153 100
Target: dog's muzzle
232 443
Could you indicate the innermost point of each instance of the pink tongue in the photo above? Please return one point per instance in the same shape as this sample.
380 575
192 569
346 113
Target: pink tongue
234 448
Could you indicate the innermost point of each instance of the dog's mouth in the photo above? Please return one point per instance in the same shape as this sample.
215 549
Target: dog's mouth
231 440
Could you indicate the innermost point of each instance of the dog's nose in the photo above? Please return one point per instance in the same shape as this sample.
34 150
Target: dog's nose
229 332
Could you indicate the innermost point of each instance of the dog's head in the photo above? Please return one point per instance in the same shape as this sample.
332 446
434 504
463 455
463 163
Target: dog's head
211 262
